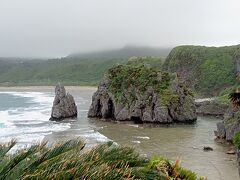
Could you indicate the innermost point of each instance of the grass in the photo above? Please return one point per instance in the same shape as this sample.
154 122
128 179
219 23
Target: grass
69 160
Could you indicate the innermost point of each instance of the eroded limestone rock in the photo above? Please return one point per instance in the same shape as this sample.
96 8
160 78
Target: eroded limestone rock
64 105
146 106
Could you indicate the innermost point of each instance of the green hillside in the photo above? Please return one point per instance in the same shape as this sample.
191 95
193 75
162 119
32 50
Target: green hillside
69 71
208 70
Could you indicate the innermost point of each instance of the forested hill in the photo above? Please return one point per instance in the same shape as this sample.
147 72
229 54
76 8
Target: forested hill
207 69
71 70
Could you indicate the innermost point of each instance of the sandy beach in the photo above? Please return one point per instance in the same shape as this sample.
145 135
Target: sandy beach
70 89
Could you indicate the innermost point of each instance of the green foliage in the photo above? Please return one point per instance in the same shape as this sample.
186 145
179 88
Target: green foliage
69 161
69 71
207 69
137 79
161 168
215 73
224 94
236 139
224 99
150 61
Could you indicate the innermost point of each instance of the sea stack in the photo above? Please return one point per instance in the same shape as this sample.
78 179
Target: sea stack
142 94
64 105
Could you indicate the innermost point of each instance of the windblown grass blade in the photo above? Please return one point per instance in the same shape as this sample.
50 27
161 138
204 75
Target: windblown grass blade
68 161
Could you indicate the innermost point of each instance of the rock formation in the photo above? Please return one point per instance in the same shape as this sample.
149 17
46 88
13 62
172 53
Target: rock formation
142 94
229 126
211 108
63 105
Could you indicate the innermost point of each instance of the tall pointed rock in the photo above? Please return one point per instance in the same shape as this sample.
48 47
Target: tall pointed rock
64 105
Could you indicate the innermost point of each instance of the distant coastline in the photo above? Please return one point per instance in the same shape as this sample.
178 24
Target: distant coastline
44 88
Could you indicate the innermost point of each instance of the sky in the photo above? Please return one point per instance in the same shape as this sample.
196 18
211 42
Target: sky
56 28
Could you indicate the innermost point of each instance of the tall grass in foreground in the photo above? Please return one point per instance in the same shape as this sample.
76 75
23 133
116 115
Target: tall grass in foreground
68 161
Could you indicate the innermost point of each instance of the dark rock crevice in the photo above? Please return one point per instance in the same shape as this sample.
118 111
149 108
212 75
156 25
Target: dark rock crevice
136 119
111 109
98 109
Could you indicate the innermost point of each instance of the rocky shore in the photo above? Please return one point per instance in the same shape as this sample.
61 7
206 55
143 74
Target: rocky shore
210 107
229 126
144 95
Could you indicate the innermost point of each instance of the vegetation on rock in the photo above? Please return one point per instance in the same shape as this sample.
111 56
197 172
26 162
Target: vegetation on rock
142 93
68 160
207 69
236 140
136 79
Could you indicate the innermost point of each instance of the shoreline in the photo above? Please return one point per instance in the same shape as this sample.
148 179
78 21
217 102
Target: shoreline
45 88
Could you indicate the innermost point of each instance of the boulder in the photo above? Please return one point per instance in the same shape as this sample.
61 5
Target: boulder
127 93
207 148
64 105
211 108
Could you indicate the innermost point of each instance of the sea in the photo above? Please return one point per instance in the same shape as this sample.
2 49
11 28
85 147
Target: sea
25 113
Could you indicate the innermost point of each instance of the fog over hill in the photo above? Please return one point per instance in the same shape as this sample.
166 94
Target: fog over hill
125 52
75 69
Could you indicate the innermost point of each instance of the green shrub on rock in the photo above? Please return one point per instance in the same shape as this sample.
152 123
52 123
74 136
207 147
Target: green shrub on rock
236 140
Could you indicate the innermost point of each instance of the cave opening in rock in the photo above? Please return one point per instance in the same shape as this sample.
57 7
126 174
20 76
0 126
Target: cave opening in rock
136 119
111 109
99 108
153 108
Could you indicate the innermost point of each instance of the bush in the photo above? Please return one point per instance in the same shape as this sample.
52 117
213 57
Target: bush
68 160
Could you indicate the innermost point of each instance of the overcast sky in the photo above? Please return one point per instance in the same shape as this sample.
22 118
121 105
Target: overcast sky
54 28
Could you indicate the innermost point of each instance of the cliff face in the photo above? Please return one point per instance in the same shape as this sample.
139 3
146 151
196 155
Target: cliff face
229 126
207 70
142 94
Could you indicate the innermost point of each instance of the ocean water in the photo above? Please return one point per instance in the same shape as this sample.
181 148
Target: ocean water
24 115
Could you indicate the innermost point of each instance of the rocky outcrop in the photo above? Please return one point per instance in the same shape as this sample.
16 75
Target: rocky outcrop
133 98
211 108
63 105
229 126
238 161
200 67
